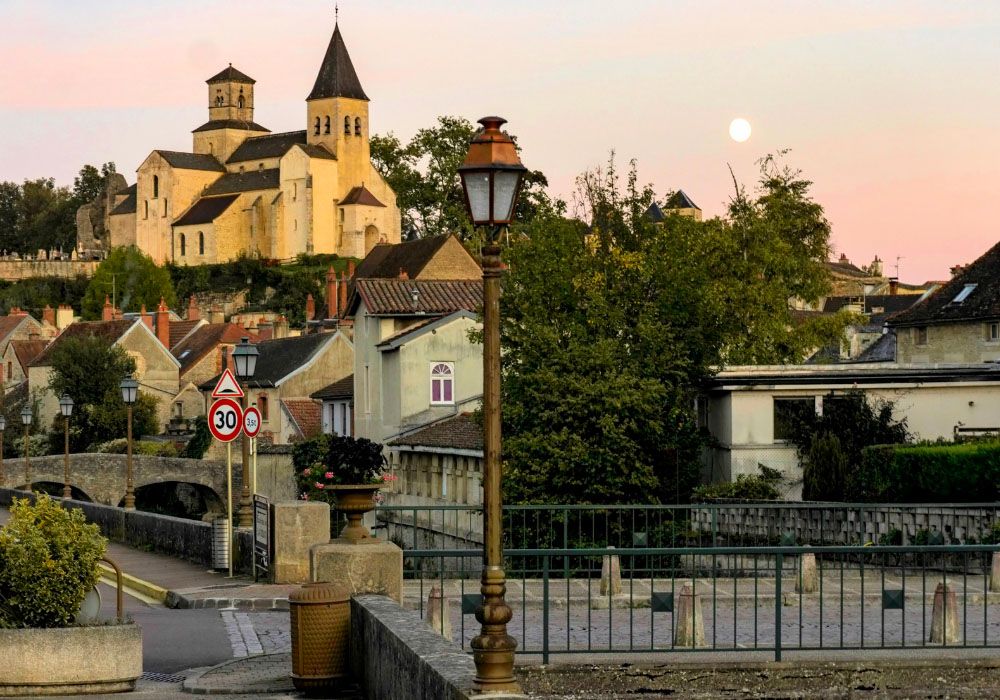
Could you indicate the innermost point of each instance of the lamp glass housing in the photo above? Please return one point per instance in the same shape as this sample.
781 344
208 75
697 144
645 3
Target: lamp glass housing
66 405
26 416
245 359
130 389
477 191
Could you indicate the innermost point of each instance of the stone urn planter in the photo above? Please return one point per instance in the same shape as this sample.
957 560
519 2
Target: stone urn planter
70 660
354 500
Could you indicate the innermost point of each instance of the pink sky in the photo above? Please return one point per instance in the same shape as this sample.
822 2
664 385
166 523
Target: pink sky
888 107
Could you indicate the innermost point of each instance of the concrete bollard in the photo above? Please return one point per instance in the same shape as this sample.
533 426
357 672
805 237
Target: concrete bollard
689 625
807 579
995 573
438 615
611 574
944 617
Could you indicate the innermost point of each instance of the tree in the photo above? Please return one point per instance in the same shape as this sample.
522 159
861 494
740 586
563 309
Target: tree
133 278
10 204
90 183
825 469
46 217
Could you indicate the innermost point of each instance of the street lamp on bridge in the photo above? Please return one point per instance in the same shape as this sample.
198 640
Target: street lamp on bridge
130 392
26 420
491 179
245 359
66 408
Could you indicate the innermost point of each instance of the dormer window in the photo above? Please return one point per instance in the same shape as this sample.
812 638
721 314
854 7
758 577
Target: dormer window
357 126
964 294
347 126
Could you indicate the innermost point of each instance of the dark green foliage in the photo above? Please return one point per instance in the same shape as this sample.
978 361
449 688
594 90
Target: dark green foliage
200 441
132 279
928 474
327 460
747 487
825 469
48 562
36 293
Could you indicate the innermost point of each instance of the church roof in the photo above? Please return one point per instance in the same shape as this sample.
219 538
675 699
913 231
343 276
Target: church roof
337 77
249 181
230 124
231 75
270 146
654 213
363 196
317 151
680 200
127 205
191 161
385 260
206 209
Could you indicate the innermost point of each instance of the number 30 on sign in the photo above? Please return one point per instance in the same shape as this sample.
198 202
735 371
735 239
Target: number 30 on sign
225 420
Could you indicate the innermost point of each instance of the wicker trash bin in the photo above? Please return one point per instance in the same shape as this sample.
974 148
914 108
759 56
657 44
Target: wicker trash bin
320 621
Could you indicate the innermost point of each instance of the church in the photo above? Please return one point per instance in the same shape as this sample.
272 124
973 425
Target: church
244 191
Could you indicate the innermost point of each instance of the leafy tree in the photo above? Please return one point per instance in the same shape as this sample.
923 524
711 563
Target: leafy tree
10 204
200 441
825 469
46 217
90 182
133 278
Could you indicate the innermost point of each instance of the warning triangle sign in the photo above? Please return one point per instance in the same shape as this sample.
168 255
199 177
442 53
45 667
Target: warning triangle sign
227 386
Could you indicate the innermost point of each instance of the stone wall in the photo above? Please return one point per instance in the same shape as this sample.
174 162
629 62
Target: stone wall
14 270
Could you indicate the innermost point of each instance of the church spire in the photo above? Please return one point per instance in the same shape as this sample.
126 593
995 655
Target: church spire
337 77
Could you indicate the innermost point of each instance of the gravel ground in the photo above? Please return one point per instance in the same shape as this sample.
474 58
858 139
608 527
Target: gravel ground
788 680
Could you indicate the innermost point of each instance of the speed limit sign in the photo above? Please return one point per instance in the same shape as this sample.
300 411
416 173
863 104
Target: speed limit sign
225 419
251 422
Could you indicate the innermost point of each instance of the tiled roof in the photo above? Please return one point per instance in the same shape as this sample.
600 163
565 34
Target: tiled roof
387 259
127 205
889 303
270 146
230 124
279 358
206 209
846 268
9 324
110 331
191 161
317 151
27 350
245 182
363 196
340 389
680 200
203 340
306 414
337 77
943 306
179 330
461 432
407 297
230 75
882 350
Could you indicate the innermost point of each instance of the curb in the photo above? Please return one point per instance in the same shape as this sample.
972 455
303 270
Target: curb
178 601
150 590
263 686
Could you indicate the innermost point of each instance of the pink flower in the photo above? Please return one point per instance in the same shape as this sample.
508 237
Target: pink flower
305 472
328 475
389 477
319 485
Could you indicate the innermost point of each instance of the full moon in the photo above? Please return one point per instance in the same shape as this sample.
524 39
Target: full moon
739 130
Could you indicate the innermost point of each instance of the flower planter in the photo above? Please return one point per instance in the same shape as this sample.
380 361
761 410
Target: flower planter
70 660
354 500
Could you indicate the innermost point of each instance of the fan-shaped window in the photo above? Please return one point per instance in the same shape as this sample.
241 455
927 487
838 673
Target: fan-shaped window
326 129
357 126
183 245
201 243
347 126
156 186
317 126
442 383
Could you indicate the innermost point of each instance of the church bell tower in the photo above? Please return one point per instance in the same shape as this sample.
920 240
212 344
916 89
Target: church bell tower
337 107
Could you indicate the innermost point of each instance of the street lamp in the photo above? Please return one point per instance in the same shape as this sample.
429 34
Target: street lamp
66 408
130 392
245 359
491 178
26 420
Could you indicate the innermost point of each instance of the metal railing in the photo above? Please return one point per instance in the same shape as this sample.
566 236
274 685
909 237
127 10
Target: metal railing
724 598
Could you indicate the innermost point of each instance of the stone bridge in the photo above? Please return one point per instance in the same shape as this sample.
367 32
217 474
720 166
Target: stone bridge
101 477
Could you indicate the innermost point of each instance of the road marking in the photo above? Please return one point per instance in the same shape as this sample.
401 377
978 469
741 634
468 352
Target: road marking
242 636
138 595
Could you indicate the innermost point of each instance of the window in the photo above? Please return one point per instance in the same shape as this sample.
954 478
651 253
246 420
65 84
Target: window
993 331
10 370
240 102
357 126
326 126
442 383
218 98
787 411
964 294
156 186
164 206
347 126
920 335
183 245
341 215
262 405
201 243
179 409
145 209
295 191
340 418
317 126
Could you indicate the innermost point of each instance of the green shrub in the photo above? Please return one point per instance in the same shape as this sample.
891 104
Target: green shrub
747 487
201 440
927 473
48 562
825 469
153 448
328 460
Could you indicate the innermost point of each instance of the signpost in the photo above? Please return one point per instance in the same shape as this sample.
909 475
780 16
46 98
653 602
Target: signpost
225 419
225 422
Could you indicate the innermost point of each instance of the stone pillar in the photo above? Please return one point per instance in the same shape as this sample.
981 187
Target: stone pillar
689 625
298 526
944 617
807 580
995 573
611 574
369 567
438 616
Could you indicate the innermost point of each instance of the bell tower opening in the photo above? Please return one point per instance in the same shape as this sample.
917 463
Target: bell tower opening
230 96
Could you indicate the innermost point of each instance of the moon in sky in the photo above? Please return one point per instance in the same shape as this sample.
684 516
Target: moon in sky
739 130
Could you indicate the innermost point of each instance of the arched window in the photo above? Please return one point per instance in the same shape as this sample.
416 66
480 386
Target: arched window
357 126
219 100
442 383
239 102
347 126
326 129
156 186
183 245
317 126
201 243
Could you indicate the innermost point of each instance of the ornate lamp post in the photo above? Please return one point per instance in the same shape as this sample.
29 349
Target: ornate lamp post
491 179
3 426
245 360
66 408
130 392
26 420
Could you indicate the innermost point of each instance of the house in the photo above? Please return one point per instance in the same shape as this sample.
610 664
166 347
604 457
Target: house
200 354
16 358
337 406
960 322
432 258
20 325
746 409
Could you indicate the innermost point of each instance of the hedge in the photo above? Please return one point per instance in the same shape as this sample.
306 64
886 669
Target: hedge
961 473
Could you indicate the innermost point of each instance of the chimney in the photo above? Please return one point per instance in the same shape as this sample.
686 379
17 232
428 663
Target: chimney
265 331
350 269
310 308
64 316
893 286
193 313
343 296
163 324
403 275
331 293
116 314
49 315
843 258
281 327
216 315
956 270
147 318
108 312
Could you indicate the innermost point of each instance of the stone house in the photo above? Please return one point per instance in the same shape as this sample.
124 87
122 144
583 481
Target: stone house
202 356
21 326
17 357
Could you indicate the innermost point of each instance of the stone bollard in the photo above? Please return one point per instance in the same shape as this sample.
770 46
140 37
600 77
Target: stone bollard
807 579
689 625
611 574
995 573
944 617
438 615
